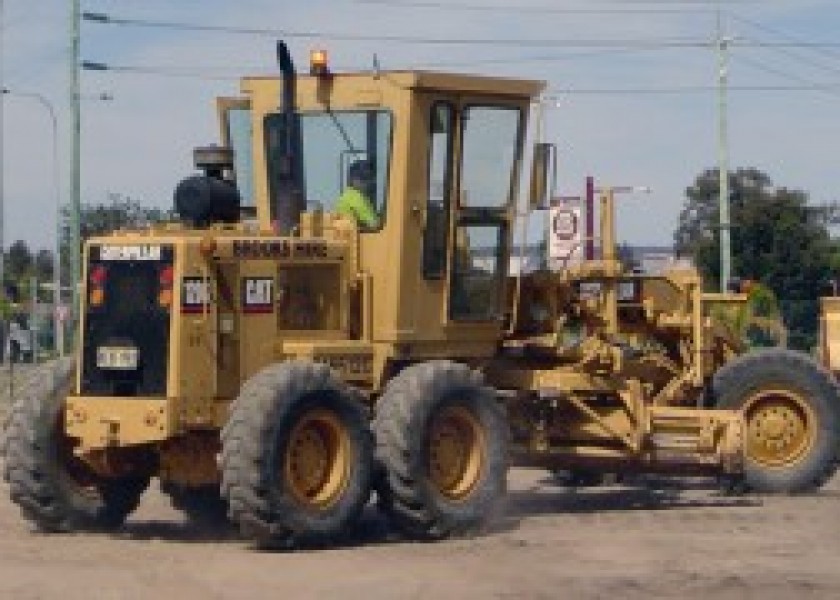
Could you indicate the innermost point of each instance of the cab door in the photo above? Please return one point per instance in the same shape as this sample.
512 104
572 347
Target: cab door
433 193
488 158
472 148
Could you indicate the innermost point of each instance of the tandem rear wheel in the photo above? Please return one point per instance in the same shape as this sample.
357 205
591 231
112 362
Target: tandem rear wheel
441 450
296 456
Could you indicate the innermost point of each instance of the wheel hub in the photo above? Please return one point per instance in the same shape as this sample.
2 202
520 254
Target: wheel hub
316 462
456 452
774 426
781 428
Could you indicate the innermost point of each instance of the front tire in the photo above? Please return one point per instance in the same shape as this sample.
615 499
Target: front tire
792 410
296 456
54 489
441 444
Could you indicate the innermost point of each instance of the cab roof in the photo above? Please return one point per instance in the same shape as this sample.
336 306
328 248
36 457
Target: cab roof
432 81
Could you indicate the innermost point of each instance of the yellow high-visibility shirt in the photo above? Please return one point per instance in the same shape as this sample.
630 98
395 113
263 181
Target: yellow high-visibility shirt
355 204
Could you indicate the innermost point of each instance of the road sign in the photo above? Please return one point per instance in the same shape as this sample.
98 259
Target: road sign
565 232
61 313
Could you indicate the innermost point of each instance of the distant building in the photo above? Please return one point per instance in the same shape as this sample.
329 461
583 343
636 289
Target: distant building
653 259
645 259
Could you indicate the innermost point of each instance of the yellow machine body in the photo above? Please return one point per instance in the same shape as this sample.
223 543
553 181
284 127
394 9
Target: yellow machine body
597 365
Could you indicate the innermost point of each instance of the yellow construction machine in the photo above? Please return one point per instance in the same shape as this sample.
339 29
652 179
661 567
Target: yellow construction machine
270 358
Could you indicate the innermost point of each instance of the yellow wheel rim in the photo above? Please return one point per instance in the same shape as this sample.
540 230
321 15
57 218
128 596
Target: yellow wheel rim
316 464
781 428
456 452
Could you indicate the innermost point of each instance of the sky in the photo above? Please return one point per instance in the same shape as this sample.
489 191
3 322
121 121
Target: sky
164 80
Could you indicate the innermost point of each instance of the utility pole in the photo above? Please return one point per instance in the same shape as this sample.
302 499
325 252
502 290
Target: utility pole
4 326
2 144
75 161
33 318
723 43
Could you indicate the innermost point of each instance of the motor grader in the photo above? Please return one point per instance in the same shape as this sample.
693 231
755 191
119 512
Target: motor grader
271 359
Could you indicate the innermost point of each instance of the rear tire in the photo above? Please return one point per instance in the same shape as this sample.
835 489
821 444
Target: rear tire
54 489
792 409
296 456
441 446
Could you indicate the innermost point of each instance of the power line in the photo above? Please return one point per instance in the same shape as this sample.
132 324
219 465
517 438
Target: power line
781 34
536 9
793 54
666 42
202 73
799 57
830 89
529 59
321 35
755 43
185 72
235 72
694 89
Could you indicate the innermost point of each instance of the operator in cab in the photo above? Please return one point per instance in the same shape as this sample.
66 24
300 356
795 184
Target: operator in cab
356 202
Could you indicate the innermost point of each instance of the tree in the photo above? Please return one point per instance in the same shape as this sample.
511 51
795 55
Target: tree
99 219
44 265
18 261
777 240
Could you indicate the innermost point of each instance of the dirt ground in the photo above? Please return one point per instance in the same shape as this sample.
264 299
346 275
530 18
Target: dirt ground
612 542
638 541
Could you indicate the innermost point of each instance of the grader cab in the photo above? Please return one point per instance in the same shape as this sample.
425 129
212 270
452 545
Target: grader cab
270 359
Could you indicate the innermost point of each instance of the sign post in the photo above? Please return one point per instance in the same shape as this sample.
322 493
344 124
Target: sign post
62 313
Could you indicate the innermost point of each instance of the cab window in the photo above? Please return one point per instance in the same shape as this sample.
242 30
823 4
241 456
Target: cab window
490 139
333 142
477 273
240 134
439 189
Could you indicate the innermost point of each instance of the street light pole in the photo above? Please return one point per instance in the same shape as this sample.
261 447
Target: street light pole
75 168
58 339
723 149
2 163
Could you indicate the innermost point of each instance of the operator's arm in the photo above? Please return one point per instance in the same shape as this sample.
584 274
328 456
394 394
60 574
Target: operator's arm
366 214
353 203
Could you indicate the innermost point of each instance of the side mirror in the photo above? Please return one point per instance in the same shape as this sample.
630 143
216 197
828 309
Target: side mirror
543 173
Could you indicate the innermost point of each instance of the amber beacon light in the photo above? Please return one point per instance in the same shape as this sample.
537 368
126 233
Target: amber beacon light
318 64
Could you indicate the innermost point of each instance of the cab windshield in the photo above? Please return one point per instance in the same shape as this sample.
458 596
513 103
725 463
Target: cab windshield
334 143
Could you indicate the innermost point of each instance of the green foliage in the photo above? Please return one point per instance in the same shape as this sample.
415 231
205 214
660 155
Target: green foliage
19 261
20 267
5 308
777 240
759 322
43 265
22 264
99 219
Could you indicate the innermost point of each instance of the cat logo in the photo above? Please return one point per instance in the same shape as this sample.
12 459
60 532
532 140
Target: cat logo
257 295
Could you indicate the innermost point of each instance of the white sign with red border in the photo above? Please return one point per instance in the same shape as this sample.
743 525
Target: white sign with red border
566 232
